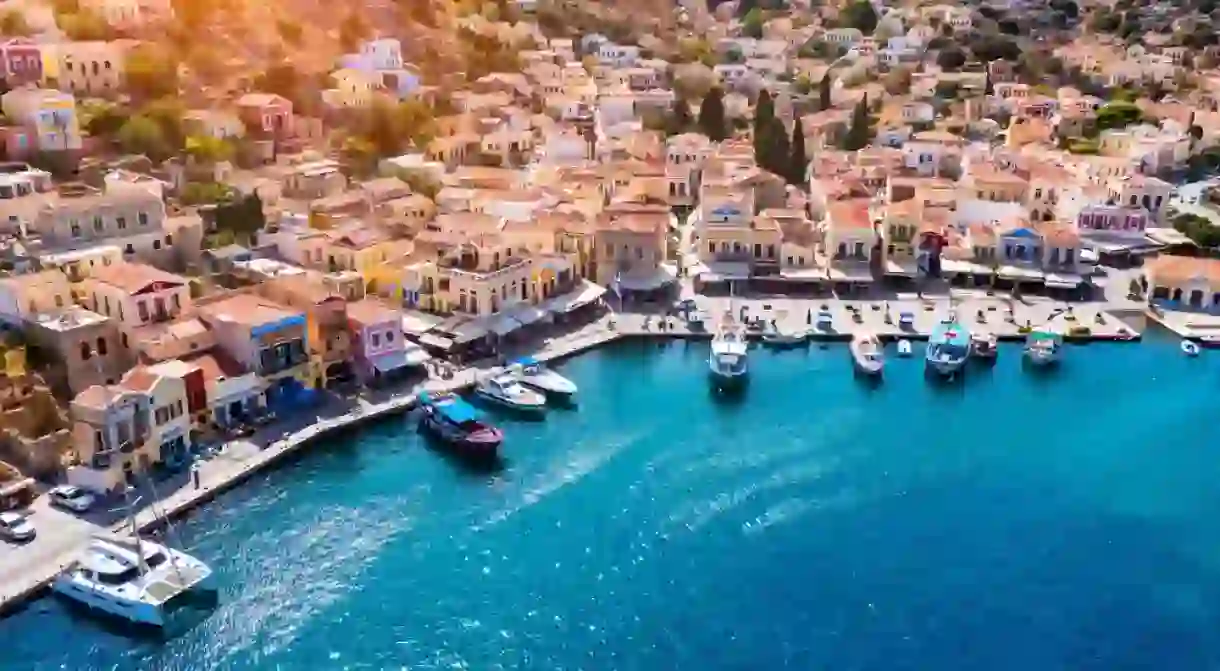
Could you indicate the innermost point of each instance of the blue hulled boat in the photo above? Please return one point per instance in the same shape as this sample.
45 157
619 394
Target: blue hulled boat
456 423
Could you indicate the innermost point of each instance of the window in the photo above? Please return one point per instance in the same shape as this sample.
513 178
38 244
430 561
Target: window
129 249
101 347
176 303
85 352
169 241
59 301
156 244
121 222
376 340
389 336
75 230
97 224
123 336
143 218
142 308
106 305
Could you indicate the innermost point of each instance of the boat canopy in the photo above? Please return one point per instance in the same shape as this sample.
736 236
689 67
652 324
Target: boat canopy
1043 334
456 410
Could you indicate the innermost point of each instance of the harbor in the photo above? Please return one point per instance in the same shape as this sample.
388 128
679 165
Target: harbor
28 569
652 481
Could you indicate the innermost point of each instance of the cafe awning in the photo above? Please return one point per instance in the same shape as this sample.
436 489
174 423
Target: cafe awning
390 361
663 275
435 341
527 314
415 323
1063 281
586 294
503 325
470 331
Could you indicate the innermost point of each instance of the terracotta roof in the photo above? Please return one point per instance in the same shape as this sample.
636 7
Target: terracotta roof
139 379
369 312
1166 269
849 214
247 310
132 277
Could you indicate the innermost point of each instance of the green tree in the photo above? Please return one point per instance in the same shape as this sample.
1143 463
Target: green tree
824 100
13 24
352 31
242 217
149 72
679 119
764 118
859 133
860 15
169 113
102 119
712 122
752 24
952 58
84 26
778 152
799 163
208 149
1117 114
142 135
290 30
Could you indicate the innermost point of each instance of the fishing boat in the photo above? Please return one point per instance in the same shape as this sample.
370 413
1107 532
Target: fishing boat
781 338
727 364
867 353
1190 348
505 391
1043 347
533 374
133 578
904 348
456 423
948 348
984 345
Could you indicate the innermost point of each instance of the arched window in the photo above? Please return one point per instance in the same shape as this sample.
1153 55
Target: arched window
85 352
101 346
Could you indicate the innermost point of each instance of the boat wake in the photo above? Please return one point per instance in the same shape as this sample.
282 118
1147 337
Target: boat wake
578 463
326 554
794 509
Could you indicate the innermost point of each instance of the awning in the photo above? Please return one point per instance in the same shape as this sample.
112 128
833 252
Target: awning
390 362
504 325
417 356
416 323
664 274
900 269
470 331
587 294
850 275
1015 273
802 274
436 341
526 314
724 272
1063 281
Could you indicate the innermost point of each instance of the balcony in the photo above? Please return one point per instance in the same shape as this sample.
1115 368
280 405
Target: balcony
282 357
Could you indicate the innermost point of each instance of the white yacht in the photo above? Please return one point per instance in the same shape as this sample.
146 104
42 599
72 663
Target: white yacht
727 364
132 578
504 390
533 374
1043 347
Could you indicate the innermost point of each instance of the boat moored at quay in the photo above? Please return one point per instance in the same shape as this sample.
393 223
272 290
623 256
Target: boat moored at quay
727 366
948 348
456 423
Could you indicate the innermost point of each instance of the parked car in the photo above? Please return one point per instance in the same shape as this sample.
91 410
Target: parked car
71 498
16 528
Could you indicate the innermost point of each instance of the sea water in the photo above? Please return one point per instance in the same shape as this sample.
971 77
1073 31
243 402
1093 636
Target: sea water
1014 519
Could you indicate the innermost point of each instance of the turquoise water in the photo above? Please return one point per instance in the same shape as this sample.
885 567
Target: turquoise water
1014 521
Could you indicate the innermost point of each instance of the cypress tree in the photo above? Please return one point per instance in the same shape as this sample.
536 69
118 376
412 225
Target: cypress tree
798 164
711 115
824 92
858 133
679 120
777 149
764 118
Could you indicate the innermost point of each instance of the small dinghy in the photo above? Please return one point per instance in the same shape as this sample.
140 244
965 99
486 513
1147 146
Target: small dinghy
1190 348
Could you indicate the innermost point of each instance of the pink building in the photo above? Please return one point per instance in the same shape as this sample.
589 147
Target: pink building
1113 219
266 115
20 62
378 347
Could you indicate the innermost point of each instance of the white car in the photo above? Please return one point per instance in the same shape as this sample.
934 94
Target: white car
71 498
16 528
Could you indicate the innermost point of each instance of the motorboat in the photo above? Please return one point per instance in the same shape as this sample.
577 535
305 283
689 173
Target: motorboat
984 345
727 364
455 422
535 375
1190 348
1043 347
904 348
867 353
948 348
133 578
780 338
504 390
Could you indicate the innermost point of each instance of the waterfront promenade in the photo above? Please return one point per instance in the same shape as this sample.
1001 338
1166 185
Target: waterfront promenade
25 570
